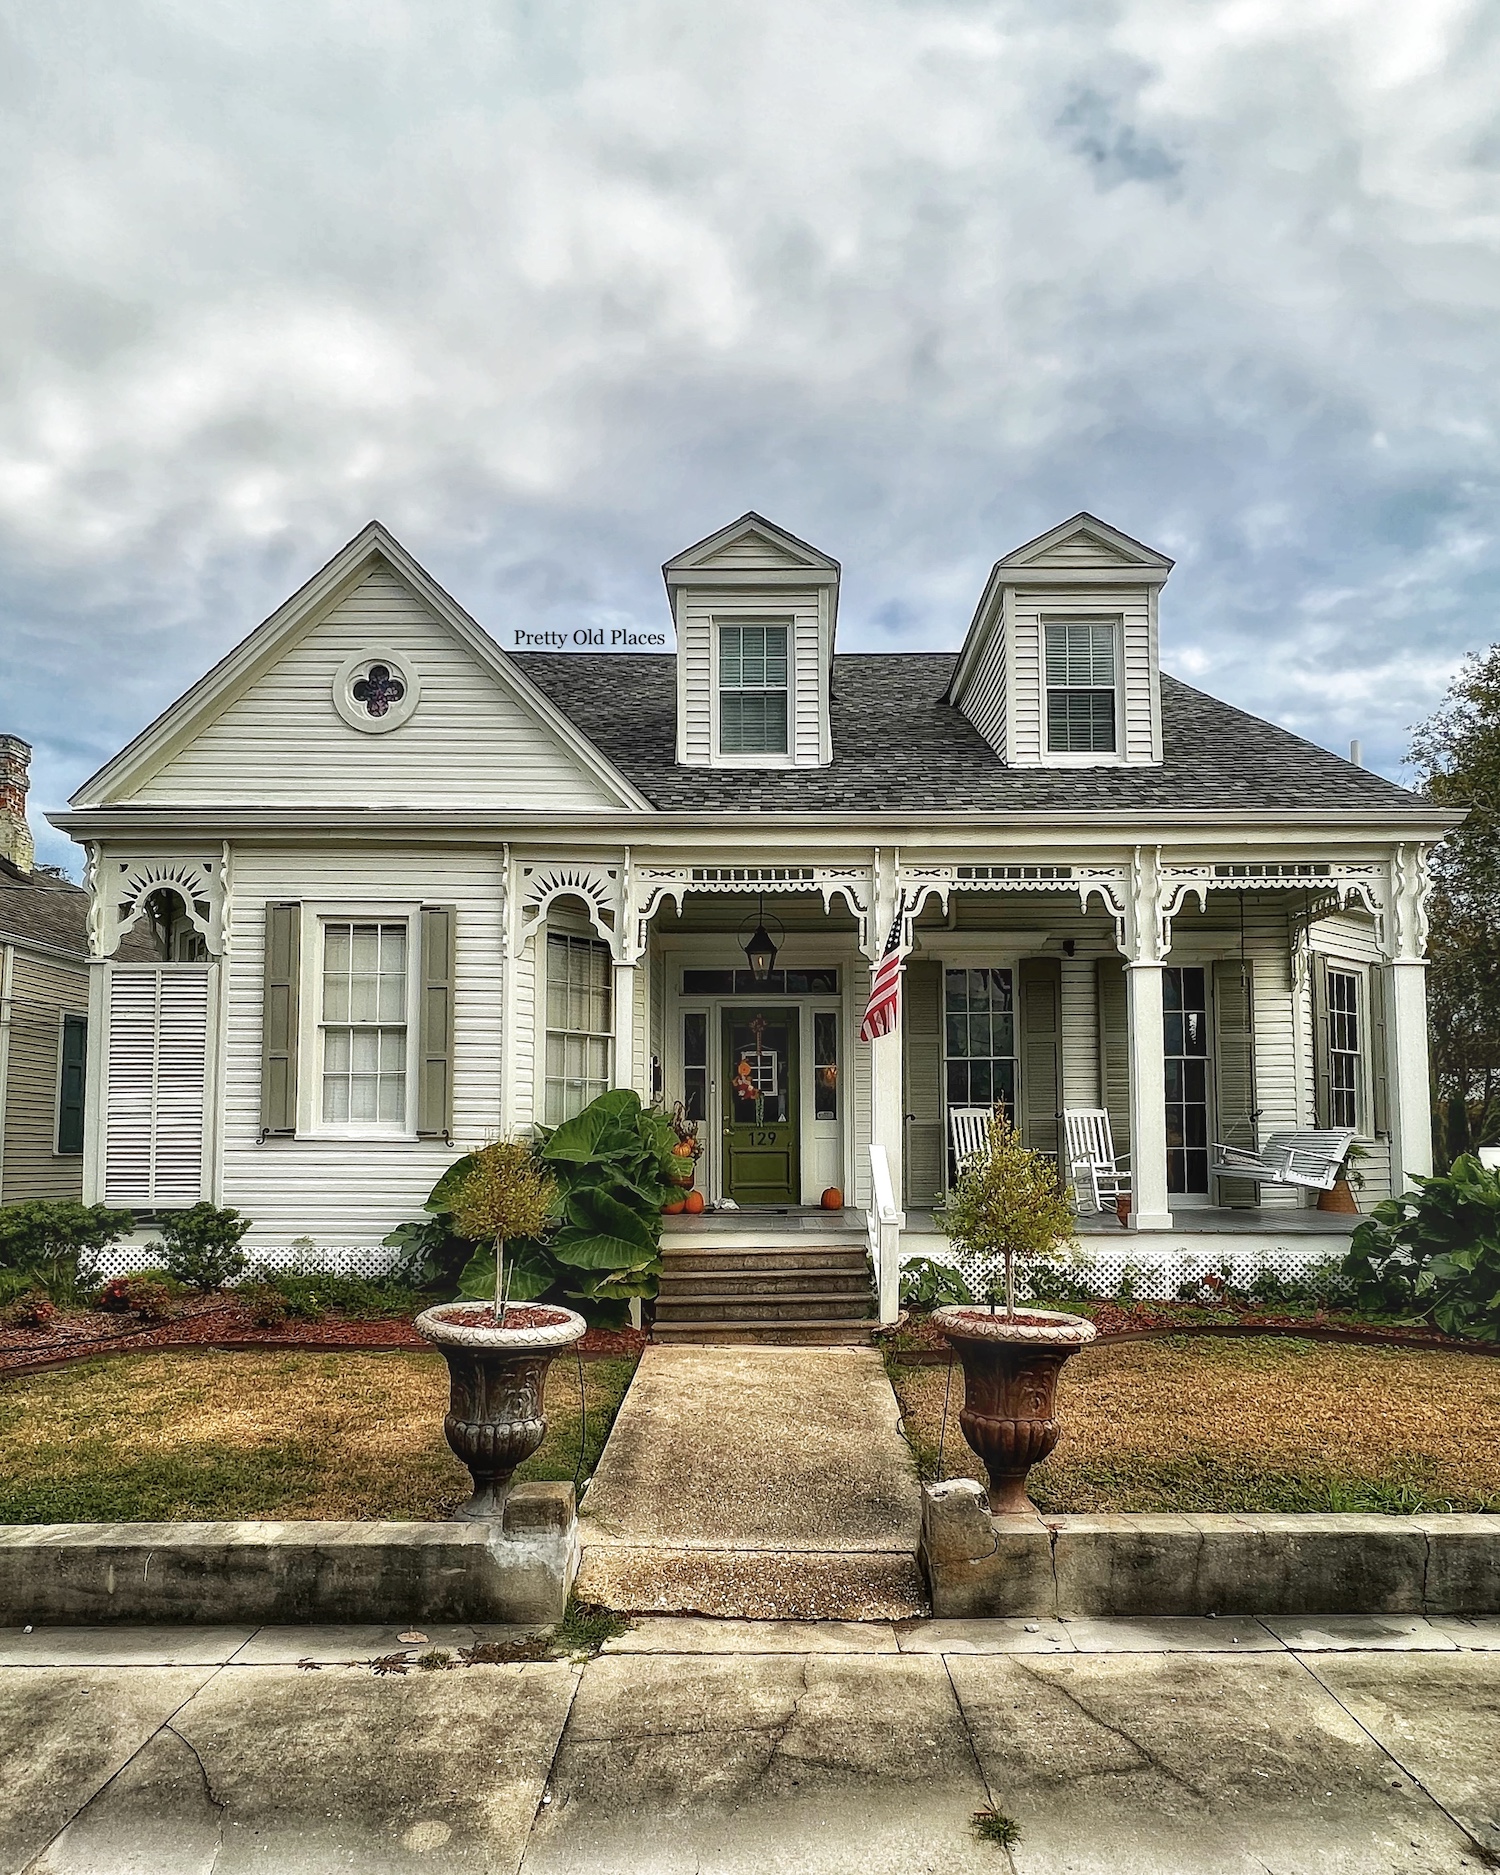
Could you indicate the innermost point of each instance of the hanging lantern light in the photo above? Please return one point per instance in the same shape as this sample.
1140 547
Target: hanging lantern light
760 950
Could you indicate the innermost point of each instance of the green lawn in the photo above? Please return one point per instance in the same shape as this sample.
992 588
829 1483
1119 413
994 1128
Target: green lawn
1196 1424
147 1436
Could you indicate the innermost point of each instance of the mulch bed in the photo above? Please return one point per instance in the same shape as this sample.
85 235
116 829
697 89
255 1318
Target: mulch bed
922 1343
220 1322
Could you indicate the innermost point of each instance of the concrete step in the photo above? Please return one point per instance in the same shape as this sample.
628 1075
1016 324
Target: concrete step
706 1261
676 1285
678 1234
816 1585
783 1334
719 1307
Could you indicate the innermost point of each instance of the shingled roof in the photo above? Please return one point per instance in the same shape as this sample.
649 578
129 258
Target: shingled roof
39 909
898 745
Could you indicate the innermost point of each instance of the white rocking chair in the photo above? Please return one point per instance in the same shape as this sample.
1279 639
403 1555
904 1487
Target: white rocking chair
1093 1164
969 1131
1312 1158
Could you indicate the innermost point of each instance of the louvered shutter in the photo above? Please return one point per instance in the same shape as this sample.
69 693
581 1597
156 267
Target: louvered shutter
1380 1069
158 1055
278 1053
1114 1049
922 1069
70 1083
1322 1073
1234 1070
435 1075
1041 1034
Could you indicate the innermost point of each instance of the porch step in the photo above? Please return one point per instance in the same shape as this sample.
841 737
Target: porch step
782 1334
690 1274
739 1306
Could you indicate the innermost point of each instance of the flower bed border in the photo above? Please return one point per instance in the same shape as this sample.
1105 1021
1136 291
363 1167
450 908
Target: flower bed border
1286 1331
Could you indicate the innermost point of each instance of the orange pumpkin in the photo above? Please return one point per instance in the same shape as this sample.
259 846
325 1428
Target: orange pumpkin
833 1199
693 1203
674 1206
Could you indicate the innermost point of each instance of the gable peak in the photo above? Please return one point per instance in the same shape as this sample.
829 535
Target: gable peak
752 544
1085 541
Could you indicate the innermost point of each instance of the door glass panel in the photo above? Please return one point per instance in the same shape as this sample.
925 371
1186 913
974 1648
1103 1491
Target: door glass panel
1185 1048
695 1063
760 1057
826 1065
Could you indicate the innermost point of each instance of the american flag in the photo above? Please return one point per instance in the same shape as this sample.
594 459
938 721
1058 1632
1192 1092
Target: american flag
883 1010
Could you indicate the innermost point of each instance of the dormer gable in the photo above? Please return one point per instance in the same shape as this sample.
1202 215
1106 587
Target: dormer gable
755 610
1060 667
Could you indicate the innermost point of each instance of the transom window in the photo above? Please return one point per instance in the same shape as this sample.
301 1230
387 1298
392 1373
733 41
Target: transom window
1081 687
753 689
578 1024
1343 1048
364 1024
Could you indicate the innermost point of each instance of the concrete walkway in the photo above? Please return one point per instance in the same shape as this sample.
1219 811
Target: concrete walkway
1188 1747
757 1482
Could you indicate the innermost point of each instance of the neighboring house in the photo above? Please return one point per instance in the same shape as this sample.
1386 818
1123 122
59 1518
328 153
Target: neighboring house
427 891
44 999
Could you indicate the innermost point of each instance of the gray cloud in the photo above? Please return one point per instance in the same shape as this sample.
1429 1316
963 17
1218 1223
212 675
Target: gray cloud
553 291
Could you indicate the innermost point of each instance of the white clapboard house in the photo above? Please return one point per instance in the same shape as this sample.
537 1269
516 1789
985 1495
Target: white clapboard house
417 891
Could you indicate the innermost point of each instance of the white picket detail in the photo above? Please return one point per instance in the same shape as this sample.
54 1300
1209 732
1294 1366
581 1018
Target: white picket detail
158 1056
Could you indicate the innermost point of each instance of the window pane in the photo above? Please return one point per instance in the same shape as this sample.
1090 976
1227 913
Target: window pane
825 1065
1081 721
752 722
578 1038
695 1039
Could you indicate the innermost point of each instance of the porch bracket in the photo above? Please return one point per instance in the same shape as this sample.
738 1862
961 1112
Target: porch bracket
118 889
652 886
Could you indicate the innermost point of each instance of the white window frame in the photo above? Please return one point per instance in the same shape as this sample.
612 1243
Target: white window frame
1083 758
562 924
773 758
315 920
1360 1054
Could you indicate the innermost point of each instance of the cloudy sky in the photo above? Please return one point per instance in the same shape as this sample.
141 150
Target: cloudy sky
555 287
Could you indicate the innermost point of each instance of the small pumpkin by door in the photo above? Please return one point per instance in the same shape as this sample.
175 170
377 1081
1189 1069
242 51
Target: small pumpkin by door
833 1199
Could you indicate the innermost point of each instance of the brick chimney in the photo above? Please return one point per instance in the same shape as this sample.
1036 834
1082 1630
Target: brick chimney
15 780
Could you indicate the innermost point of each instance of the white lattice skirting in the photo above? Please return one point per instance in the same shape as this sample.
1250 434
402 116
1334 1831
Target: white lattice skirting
1158 1274
368 1260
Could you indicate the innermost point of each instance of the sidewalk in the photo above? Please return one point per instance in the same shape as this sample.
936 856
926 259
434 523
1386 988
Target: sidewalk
1120 1748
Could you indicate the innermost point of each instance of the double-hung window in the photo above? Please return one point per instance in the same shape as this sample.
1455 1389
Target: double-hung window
578 1024
1081 687
363 1024
753 689
1343 1048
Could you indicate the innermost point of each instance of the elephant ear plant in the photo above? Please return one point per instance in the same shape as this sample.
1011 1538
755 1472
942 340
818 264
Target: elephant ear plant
507 1194
1433 1254
600 1244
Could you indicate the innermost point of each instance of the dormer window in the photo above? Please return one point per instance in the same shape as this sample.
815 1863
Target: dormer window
753 689
1082 704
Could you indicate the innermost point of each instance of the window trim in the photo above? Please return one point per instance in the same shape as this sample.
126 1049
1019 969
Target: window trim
576 928
1360 1053
1082 758
771 758
316 916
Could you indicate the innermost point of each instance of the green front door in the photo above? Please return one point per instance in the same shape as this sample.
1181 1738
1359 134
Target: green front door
760 1106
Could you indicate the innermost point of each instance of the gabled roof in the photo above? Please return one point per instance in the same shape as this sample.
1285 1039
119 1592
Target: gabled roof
255 654
1083 551
900 747
751 545
1085 541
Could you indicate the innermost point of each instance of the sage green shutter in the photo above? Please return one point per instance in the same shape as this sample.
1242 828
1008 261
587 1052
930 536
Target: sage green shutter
1041 1052
1114 1049
435 1077
70 1083
926 1155
1234 1071
278 1050
1376 1048
1323 1104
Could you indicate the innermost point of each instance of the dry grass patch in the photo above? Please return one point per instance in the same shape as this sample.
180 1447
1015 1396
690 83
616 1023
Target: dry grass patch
141 1437
1274 1424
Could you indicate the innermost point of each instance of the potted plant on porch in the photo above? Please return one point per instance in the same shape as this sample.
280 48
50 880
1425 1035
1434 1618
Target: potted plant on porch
498 1351
1008 1203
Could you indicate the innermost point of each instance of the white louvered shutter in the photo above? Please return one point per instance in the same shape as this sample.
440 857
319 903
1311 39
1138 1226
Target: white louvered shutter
158 1050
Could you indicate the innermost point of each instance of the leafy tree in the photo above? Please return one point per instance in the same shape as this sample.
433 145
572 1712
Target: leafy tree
507 1194
1008 1203
1456 753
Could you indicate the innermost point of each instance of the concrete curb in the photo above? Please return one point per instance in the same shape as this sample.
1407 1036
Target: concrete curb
517 1570
978 1565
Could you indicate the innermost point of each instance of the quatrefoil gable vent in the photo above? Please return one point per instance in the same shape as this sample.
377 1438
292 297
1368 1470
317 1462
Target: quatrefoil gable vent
376 692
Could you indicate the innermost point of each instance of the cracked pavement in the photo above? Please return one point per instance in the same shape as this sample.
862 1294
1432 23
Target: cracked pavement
1133 1747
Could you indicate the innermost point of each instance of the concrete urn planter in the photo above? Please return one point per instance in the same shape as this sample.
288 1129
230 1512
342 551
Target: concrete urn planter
497 1385
1010 1384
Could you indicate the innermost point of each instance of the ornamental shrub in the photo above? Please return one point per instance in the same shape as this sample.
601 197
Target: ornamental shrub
1433 1254
53 1245
144 1294
1008 1203
201 1246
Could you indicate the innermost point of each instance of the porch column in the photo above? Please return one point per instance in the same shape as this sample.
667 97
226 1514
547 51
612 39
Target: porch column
624 1002
1149 1207
887 1108
1409 1072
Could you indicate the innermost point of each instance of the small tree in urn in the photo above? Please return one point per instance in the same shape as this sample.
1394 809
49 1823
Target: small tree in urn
1008 1203
506 1195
